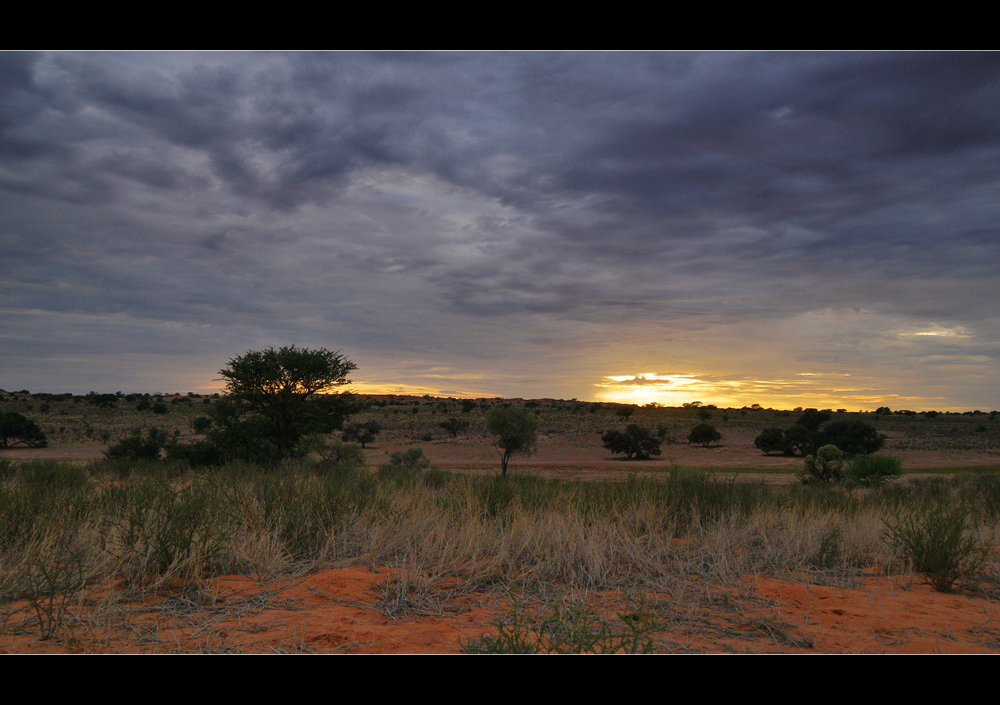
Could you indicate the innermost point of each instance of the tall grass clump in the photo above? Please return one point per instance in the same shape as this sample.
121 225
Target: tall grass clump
939 541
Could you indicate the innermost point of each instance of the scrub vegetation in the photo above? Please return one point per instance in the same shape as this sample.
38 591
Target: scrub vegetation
125 529
83 545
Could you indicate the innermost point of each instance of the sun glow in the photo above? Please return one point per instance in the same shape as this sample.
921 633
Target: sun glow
651 387
804 389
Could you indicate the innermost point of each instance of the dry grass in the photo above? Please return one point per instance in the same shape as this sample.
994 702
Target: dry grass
80 556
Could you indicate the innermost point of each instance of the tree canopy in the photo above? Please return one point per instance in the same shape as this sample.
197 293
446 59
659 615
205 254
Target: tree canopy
704 434
17 429
514 432
275 397
809 434
635 441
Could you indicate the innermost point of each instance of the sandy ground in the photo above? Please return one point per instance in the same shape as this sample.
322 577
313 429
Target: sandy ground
357 611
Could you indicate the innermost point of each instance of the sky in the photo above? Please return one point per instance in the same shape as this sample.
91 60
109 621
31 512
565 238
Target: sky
789 229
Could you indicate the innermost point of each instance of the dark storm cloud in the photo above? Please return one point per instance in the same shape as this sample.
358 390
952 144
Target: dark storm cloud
412 201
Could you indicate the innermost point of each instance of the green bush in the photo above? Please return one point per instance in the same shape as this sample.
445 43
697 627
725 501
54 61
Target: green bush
197 455
334 453
569 630
852 437
362 432
412 459
704 434
873 470
937 541
455 426
770 440
135 446
825 466
15 429
635 441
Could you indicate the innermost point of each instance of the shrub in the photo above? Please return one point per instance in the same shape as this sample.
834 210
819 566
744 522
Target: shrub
135 446
197 455
412 459
15 429
825 466
455 426
799 439
852 437
362 432
704 434
201 424
813 419
160 408
770 440
635 441
404 467
335 453
569 630
872 470
936 540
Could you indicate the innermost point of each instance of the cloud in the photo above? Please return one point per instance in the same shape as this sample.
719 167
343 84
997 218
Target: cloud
538 208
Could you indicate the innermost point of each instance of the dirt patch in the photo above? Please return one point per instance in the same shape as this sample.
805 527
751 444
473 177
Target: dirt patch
354 610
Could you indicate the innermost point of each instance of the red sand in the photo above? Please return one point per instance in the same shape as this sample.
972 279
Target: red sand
336 611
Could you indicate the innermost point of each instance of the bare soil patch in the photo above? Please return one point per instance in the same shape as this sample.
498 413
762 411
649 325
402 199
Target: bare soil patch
353 610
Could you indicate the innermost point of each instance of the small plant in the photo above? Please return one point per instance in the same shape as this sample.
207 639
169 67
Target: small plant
937 542
825 466
49 579
569 630
874 470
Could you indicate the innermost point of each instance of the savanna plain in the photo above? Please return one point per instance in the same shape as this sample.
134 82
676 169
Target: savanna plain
711 547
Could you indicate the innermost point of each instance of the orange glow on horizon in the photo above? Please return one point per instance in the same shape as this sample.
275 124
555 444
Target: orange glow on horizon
805 390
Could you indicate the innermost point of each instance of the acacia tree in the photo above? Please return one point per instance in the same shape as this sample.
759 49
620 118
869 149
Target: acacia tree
274 397
454 426
634 441
15 429
704 434
362 432
514 431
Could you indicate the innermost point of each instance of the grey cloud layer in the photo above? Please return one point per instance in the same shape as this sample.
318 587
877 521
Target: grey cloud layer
409 202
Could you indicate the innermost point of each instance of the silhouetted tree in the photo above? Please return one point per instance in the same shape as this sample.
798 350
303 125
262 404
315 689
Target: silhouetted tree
704 434
16 429
635 442
275 397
